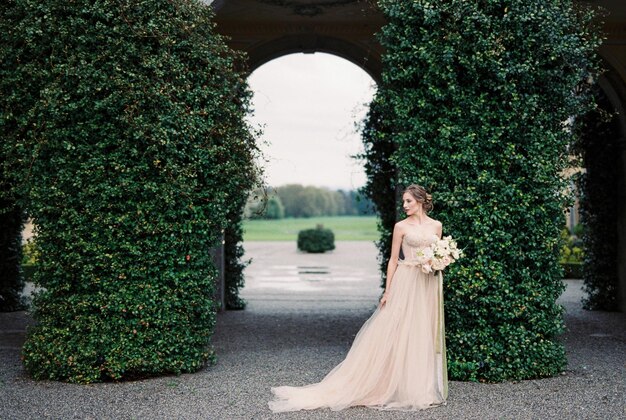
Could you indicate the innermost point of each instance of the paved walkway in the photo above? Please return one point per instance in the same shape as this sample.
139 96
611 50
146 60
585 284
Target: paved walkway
302 315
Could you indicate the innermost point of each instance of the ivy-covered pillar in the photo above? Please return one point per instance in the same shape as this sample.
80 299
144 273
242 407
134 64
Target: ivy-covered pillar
125 126
480 102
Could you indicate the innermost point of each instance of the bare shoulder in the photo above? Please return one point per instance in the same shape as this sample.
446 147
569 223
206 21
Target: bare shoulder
400 226
438 226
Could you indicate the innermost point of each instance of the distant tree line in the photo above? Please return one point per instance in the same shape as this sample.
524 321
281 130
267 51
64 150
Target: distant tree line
295 200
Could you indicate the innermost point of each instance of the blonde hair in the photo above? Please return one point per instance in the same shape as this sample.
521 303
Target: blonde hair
421 196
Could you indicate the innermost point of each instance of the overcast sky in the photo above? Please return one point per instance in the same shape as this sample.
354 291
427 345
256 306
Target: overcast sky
308 105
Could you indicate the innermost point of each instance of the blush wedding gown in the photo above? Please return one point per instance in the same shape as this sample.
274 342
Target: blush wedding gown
398 358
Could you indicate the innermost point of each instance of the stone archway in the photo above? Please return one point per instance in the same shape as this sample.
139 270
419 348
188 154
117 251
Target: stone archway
267 29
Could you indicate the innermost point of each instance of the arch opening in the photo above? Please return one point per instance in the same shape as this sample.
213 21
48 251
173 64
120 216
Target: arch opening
312 44
309 105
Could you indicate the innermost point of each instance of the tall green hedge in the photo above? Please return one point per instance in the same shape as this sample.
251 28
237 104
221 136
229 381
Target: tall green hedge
598 184
125 137
478 95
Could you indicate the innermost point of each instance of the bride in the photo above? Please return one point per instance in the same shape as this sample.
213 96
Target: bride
398 358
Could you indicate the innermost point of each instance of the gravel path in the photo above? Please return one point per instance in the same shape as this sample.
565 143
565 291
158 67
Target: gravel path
302 315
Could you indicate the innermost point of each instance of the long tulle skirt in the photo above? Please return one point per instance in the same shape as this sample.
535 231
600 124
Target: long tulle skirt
397 360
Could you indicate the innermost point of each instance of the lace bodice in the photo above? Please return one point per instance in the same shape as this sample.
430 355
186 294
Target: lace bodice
414 240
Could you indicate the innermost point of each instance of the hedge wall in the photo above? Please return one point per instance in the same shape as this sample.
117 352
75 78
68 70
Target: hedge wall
124 125
477 97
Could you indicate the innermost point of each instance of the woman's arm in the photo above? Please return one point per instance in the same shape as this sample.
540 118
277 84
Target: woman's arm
392 265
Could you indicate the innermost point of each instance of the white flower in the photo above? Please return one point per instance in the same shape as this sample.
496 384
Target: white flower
440 254
438 264
439 250
423 255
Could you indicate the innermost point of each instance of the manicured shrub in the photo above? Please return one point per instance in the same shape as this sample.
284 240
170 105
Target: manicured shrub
316 240
475 97
125 139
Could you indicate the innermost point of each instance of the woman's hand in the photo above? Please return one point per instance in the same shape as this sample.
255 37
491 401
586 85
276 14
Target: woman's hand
383 300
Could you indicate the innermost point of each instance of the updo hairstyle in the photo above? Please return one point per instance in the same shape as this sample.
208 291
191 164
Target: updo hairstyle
421 196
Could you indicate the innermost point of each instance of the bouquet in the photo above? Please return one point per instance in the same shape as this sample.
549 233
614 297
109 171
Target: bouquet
438 255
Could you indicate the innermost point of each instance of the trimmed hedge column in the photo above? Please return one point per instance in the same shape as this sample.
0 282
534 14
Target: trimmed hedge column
132 155
478 97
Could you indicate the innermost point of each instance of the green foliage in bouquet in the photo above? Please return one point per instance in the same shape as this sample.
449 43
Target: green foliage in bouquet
316 240
477 97
125 138
600 151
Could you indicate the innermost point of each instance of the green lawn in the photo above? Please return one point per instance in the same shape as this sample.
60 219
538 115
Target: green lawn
345 228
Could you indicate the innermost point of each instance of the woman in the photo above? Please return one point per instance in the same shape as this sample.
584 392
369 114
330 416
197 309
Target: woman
398 358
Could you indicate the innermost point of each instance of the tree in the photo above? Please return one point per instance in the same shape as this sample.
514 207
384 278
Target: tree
310 201
291 196
275 209
361 204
